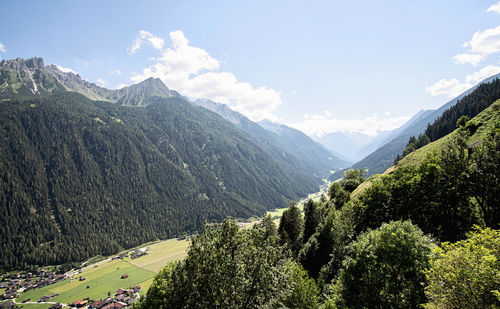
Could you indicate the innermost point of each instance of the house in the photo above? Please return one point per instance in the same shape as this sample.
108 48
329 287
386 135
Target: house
56 306
136 288
96 305
44 299
117 305
120 291
124 276
79 303
123 298
138 253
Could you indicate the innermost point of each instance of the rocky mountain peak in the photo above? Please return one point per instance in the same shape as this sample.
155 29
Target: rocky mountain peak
18 64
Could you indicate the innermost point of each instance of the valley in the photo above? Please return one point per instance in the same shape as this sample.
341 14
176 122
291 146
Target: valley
314 166
103 275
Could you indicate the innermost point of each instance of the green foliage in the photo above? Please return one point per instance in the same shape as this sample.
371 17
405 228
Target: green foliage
466 274
228 268
290 229
352 179
342 234
385 268
413 144
312 218
340 192
304 292
338 195
327 247
437 195
462 121
484 175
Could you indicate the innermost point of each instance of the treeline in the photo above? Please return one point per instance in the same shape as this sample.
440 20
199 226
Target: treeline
80 178
381 243
468 107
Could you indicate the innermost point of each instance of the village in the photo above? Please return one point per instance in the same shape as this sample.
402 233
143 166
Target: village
16 284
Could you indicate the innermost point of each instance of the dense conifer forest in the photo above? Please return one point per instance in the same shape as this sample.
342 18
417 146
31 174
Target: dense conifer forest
82 178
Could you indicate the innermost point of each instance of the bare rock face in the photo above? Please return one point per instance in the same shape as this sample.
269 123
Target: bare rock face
18 64
31 77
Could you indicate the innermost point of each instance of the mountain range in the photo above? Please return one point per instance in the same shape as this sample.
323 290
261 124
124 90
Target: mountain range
87 170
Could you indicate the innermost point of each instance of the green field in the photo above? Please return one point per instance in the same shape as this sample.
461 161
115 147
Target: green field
105 276
35 306
161 253
100 280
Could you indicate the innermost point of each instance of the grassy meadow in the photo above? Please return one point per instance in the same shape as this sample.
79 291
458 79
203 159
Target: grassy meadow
105 276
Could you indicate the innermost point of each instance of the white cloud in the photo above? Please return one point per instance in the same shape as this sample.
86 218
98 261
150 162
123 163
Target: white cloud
120 86
494 8
143 37
449 87
65 70
321 124
453 87
117 72
3 49
484 73
294 92
482 44
485 42
192 71
473 59
102 82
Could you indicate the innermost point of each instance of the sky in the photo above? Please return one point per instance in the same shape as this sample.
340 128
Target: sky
319 66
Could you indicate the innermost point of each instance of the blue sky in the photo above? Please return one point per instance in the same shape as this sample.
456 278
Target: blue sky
321 66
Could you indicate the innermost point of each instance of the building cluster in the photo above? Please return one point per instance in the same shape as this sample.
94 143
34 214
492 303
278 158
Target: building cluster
16 283
122 299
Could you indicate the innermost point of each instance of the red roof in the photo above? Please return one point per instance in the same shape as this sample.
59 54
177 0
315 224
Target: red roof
120 291
79 302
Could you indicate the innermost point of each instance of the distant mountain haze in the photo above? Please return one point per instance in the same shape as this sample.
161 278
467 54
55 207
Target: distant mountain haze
279 139
383 157
352 146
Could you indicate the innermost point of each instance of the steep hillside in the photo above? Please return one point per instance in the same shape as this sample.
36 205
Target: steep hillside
382 158
81 178
287 145
469 106
476 129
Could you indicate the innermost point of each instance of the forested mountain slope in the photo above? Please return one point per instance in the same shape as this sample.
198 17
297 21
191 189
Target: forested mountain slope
81 177
469 106
382 158
476 128
286 144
